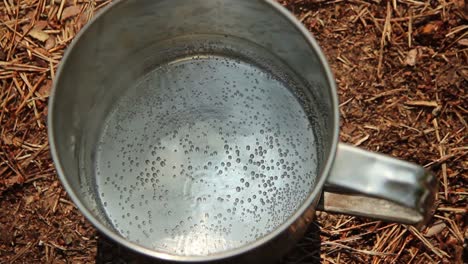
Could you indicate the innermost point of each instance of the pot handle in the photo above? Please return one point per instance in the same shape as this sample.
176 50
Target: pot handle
368 184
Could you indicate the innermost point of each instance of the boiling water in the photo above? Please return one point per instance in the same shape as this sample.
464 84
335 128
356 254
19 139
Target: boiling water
203 155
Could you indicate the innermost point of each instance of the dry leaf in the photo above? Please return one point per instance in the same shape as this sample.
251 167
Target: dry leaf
43 51
30 199
431 33
431 28
85 16
48 203
41 24
44 89
26 28
10 139
50 43
68 238
18 179
30 14
38 34
70 11
463 42
411 57
435 229
460 4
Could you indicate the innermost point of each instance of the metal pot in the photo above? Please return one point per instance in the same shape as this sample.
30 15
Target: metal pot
207 130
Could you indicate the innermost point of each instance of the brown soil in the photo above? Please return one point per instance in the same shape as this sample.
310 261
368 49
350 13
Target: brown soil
402 71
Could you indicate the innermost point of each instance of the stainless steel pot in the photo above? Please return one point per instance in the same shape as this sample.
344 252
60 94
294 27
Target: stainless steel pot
207 130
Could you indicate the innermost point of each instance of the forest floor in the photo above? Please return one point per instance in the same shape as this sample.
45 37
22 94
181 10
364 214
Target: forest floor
402 72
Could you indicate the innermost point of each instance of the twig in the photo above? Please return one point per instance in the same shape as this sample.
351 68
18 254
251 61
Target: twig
367 252
21 252
422 103
31 92
453 210
442 154
428 244
410 28
385 34
394 91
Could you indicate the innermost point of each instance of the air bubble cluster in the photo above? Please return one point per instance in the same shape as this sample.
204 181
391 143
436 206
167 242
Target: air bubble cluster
204 155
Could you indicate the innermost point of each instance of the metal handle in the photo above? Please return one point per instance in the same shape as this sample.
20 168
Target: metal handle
364 183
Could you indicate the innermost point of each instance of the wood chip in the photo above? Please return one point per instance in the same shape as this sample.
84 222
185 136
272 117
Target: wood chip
422 103
411 57
38 34
70 11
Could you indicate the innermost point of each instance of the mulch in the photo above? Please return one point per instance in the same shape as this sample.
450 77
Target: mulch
402 71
